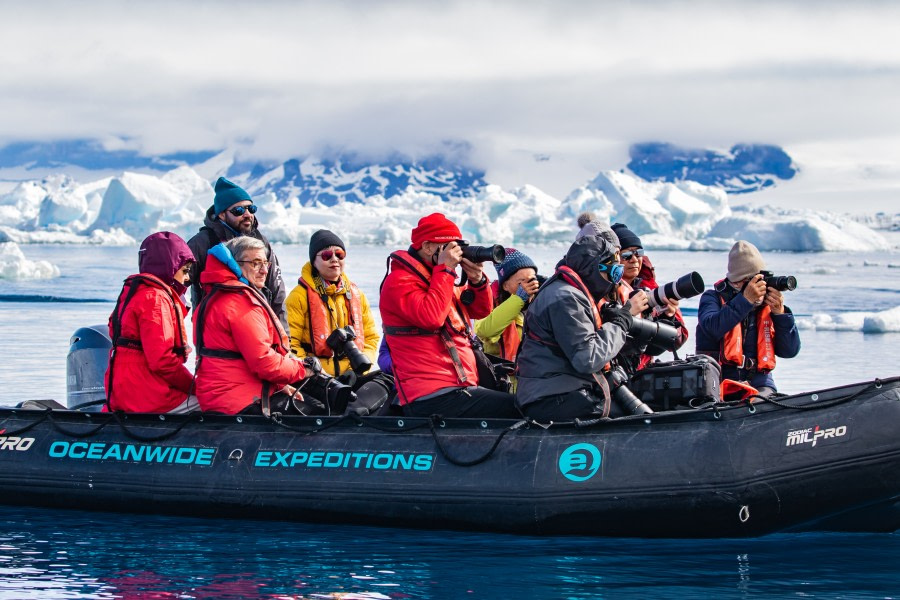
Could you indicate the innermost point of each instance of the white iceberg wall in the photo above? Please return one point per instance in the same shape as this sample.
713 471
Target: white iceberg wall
14 265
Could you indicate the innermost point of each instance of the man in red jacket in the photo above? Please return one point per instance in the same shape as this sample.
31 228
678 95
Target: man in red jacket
426 325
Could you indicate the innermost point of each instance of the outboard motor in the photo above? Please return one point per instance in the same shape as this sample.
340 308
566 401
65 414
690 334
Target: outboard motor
86 366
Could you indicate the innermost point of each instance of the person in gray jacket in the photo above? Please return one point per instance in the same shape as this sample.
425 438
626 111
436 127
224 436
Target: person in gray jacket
566 343
233 214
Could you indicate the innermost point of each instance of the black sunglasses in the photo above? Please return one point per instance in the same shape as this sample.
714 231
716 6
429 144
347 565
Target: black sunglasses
239 210
630 253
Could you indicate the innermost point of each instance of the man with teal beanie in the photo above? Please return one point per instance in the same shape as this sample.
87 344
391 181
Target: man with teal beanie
233 214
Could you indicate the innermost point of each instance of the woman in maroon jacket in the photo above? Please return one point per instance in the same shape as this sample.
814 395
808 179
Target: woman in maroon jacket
146 370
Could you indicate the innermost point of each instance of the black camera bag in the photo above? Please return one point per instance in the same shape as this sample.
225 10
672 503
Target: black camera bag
678 383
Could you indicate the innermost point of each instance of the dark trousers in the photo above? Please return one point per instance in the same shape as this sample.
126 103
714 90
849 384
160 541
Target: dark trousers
474 402
579 404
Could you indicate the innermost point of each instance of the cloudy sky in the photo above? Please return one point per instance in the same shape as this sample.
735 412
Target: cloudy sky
544 92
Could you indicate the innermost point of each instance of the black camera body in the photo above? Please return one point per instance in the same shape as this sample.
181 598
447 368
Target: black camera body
332 393
480 254
782 283
341 342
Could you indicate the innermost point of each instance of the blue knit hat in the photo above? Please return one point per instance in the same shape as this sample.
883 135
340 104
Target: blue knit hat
513 262
228 194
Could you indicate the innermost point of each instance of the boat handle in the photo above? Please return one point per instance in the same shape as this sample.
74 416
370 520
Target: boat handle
744 514
236 454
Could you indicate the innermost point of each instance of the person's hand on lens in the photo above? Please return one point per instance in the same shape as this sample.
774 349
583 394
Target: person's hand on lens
618 315
755 290
775 301
638 303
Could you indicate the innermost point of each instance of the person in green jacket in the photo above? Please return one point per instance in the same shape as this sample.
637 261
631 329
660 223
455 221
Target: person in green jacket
517 282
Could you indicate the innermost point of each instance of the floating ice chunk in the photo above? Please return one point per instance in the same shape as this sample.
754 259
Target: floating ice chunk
883 322
14 265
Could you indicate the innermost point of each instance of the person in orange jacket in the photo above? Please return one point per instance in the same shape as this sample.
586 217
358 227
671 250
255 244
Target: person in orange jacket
426 325
244 353
146 371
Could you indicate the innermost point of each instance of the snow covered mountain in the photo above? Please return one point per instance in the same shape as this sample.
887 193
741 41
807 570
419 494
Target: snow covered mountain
744 168
381 203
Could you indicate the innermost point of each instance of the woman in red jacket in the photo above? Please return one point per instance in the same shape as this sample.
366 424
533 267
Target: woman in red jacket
244 354
146 370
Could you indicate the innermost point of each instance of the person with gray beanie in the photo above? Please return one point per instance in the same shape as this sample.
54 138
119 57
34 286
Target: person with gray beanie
231 215
744 324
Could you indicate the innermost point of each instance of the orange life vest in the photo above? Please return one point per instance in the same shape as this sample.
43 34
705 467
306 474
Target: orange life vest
320 326
732 348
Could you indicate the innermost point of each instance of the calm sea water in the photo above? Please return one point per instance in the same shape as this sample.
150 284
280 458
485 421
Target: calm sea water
71 554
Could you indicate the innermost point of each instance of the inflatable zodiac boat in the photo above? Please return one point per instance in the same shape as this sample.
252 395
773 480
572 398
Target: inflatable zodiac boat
828 460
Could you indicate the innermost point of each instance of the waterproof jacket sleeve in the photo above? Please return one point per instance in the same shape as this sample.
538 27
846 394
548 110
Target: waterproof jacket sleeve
297 305
716 319
787 337
369 329
199 245
484 299
421 306
587 349
492 326
158 336
250 332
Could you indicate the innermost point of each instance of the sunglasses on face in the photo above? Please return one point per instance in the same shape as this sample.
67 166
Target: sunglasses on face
627 255
239 210
614 271
258 265
327 254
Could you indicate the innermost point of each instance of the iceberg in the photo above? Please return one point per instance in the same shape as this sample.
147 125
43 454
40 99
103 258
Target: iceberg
886 321
14 265
681 215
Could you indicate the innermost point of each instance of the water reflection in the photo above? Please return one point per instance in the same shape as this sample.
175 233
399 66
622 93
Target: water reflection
71 554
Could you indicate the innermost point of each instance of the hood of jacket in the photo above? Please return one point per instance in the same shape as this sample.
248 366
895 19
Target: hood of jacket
221 267
585 256
162 254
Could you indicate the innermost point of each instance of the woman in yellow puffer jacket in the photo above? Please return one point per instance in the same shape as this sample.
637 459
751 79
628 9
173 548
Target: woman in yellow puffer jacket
325 300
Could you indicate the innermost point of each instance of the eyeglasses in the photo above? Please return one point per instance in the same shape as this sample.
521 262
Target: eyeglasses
239 210
627 255
259 265
614 270
327 254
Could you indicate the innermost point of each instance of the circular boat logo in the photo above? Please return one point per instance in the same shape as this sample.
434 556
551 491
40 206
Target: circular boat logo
579 462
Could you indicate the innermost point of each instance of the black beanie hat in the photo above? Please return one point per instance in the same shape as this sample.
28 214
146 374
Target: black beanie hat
627 237
320 240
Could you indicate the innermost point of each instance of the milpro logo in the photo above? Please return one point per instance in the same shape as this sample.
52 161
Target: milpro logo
15 443
813 435
579 462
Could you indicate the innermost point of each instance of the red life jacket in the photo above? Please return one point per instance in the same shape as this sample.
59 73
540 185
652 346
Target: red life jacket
731 350
320 326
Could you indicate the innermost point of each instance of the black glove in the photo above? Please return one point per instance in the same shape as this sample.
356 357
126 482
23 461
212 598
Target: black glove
618 315
312 366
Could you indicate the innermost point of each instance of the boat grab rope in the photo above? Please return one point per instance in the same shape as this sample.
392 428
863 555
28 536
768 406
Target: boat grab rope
876 384
115 416
436 419
154 438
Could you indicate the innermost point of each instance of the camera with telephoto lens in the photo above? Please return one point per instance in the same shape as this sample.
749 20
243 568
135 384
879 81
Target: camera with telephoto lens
782 283
480 254
686 286
341 341
327 390
624 397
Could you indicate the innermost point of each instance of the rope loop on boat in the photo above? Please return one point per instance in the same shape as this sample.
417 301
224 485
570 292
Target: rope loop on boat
436 420
43 418
80 434
876 384
151 438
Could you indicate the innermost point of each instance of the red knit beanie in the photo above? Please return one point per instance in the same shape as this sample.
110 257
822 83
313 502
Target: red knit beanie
434 228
